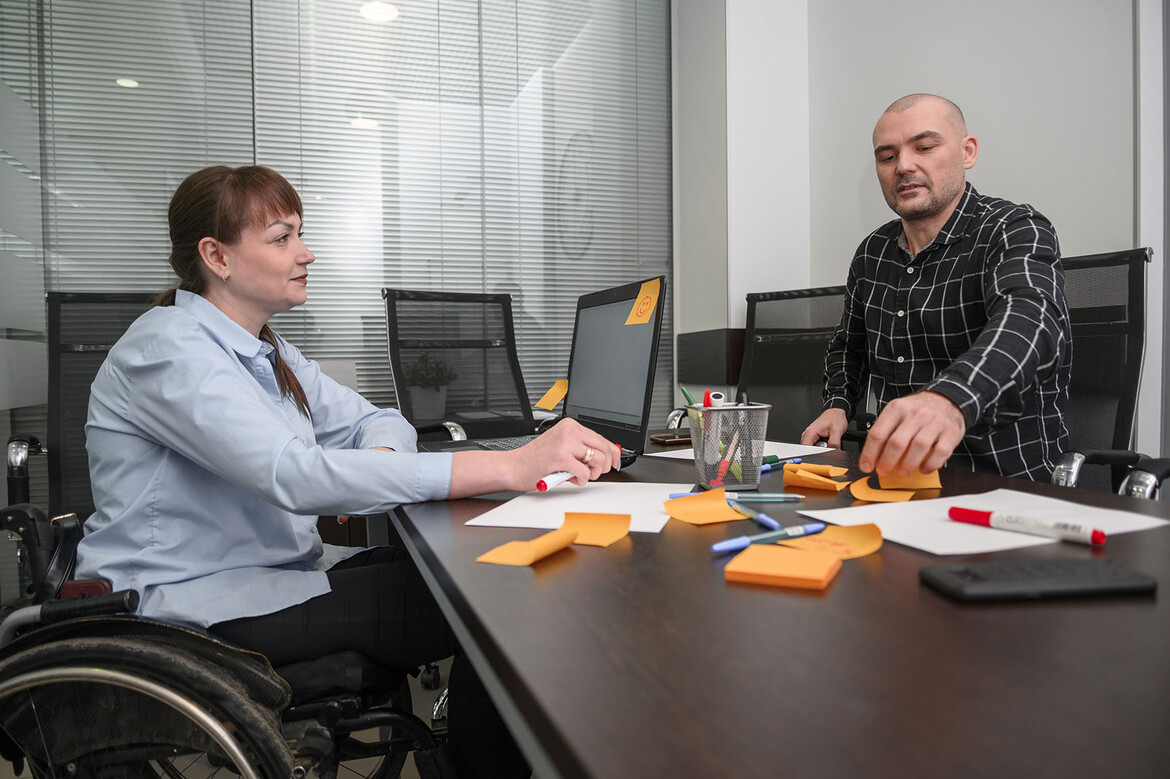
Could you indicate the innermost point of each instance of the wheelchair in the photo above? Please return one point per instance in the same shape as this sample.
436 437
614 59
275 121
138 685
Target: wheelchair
90 691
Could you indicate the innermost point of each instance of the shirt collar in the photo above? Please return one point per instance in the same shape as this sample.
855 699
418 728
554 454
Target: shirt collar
220 325
956 226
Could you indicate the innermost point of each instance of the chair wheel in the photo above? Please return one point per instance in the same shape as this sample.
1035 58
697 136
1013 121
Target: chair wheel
431 677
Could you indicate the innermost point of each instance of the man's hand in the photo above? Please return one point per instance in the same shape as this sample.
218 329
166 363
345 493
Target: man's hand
915 433
830 424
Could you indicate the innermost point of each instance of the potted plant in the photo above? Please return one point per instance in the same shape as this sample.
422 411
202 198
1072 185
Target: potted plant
427 378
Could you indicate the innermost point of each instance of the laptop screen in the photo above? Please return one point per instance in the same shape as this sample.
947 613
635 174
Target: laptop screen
611 368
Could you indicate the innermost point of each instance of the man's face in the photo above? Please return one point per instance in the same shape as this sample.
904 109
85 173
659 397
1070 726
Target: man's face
921 156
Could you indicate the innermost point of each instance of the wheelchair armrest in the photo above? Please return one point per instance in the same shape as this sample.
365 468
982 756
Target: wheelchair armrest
120 602
84 588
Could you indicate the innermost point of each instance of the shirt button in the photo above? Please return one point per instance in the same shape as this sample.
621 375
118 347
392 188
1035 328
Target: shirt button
901 313
910 270
901 359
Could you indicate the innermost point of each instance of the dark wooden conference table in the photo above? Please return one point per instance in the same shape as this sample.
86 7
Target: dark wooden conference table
639 660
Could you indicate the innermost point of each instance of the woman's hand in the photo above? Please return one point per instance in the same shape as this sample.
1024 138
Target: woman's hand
567 446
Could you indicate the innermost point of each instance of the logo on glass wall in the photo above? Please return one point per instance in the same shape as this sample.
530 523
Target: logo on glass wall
574 196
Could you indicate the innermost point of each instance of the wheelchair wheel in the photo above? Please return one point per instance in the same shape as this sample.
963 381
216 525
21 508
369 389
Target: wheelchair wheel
91 708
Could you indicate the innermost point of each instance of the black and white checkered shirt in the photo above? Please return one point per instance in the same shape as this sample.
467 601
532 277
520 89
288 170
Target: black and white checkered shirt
979 316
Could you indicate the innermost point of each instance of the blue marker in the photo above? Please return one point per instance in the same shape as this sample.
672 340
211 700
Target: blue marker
762 519
743 542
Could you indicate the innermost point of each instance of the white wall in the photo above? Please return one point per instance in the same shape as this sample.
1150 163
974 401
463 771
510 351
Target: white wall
699 122
1046 86
768 224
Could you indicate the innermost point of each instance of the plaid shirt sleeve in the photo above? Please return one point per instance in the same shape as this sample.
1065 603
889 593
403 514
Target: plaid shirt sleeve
1026 334
978 315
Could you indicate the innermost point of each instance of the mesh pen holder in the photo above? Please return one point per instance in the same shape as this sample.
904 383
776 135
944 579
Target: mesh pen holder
729 443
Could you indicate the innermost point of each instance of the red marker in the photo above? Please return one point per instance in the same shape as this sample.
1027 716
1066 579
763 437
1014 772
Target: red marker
552 480
1065 531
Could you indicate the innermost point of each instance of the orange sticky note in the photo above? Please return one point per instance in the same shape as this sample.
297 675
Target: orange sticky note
645 303
597 529
915 481
845 542
812 481
783 567
820 469
862 491
702 509
556 393
528 552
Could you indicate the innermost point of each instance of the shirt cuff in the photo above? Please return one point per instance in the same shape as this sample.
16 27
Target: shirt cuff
433 475
959 394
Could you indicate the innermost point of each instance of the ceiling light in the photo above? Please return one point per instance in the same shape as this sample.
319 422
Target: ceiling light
363 123
379 12
129 83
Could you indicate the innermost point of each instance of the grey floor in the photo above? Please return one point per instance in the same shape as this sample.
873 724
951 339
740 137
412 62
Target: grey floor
423 700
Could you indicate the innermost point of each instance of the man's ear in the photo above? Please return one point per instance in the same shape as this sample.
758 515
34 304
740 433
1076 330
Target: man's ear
214 256
970 151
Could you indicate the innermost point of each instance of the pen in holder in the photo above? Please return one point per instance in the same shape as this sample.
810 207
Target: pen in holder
729 443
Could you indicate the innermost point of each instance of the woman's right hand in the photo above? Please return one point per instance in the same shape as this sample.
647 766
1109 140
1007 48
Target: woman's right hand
567 446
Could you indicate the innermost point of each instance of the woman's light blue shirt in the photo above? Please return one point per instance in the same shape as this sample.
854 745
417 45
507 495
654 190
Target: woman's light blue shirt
208 482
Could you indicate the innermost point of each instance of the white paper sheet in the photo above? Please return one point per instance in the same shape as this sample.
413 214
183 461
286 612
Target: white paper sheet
923 524
546 510
783 451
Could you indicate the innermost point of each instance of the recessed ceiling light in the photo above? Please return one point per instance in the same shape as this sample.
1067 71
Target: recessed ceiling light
129 83
363 123
379 12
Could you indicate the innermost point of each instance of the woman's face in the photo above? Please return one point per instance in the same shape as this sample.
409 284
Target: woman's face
269 269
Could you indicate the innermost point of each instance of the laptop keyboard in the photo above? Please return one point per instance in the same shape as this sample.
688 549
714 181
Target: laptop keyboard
506 444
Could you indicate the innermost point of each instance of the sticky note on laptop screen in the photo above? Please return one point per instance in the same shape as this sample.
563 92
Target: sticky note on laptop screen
780 566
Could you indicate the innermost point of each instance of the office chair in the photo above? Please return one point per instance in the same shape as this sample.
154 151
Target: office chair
454 363
786 338
82 328
1106 300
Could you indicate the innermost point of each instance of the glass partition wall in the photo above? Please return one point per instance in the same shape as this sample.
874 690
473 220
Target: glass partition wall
518 146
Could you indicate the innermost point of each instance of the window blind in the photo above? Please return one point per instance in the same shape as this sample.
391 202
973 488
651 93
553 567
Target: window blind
515 146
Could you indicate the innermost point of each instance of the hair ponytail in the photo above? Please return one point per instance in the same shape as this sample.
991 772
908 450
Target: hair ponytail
285 378
219 202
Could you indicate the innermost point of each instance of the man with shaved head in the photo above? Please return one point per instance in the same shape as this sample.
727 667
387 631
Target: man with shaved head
955 316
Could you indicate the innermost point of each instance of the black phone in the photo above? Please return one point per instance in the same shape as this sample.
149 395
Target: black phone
670 439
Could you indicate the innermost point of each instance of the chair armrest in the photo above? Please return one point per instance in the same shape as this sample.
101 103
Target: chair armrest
675 417
1069 464
1145 477
452 431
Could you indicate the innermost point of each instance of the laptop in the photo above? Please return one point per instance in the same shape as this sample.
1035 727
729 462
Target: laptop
611 368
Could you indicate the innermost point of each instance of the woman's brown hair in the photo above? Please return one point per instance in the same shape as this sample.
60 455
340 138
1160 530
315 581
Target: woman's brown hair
219 202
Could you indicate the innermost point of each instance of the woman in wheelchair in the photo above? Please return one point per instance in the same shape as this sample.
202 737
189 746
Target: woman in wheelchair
214 444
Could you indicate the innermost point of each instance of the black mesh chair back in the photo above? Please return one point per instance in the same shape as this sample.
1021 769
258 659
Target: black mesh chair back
453 359
1106 296
82 327
785 341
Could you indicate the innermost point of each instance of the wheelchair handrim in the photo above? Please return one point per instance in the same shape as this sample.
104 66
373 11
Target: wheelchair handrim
210 725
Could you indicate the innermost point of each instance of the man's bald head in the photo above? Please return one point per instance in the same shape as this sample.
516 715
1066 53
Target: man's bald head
952 112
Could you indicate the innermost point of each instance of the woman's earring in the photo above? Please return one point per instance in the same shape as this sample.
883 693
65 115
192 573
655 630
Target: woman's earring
224 276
